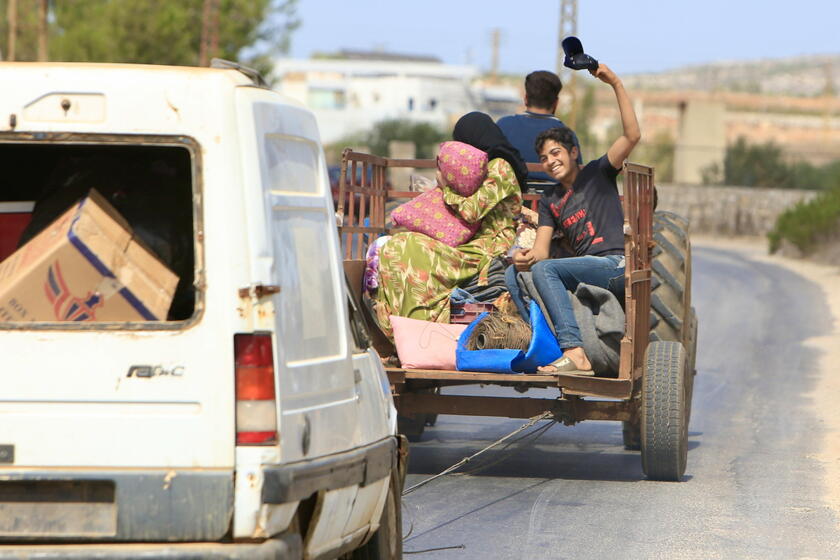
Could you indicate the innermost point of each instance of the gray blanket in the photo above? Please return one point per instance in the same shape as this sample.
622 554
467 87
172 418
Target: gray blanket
600 318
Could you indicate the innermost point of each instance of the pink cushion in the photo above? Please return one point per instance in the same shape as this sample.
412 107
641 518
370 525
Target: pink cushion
463 167
425 344
429 214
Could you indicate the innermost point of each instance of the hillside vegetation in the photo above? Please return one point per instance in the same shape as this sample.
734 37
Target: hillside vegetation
798 76
808 225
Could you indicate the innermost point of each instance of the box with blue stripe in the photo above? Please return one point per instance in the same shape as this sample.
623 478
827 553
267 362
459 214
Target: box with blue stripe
86 266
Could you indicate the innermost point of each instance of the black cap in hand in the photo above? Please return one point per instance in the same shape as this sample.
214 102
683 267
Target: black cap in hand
576 59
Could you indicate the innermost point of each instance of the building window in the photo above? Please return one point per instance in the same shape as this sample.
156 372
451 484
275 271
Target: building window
326 98
410 103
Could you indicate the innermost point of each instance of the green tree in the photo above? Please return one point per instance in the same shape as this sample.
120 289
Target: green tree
424 136
756 165
26 44
765 165
160 31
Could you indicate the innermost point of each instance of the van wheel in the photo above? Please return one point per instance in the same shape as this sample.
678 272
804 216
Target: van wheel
665 411
386 542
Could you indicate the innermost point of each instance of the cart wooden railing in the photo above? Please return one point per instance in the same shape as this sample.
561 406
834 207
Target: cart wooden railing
362 198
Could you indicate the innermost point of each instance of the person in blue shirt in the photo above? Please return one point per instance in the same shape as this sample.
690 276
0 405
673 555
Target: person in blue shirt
541 91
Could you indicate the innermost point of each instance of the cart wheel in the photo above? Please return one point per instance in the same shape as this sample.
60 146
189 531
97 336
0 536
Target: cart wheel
670 296
692 343
692 359
631 432
431 418
665 411
412 427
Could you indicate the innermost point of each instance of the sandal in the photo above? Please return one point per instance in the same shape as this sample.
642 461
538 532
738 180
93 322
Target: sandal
567 366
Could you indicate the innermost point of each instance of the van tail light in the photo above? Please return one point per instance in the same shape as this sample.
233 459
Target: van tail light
256 401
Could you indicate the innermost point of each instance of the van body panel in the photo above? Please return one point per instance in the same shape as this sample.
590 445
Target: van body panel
263 217
292 235
61 398
145 505
282 547
137 99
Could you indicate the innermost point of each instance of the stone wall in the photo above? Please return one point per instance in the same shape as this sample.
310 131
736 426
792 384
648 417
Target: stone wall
729 211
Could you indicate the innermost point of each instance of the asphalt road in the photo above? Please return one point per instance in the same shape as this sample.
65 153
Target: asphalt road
753 488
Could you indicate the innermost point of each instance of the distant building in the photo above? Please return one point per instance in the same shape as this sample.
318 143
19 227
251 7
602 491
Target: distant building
352 92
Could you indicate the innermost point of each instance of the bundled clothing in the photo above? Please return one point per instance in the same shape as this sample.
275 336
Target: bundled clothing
417 273
495 286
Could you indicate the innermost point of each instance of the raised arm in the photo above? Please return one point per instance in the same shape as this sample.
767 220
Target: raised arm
631 135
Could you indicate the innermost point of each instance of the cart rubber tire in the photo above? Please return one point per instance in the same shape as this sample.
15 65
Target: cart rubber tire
386 542
631 433
412 427
670 296
665 411
692 359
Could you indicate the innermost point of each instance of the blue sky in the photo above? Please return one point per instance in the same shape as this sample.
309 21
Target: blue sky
629 35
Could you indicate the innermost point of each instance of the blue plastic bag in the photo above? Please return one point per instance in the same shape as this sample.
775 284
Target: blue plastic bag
542 350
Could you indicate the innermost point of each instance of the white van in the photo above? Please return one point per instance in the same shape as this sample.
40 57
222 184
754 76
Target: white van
253 421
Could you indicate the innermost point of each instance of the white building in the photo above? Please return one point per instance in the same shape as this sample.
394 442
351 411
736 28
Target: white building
350 95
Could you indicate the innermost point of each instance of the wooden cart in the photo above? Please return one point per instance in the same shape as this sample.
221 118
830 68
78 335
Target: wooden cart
651 393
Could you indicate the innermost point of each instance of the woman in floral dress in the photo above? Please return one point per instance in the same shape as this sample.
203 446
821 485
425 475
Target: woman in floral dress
417 273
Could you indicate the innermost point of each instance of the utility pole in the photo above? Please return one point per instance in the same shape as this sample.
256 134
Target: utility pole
209 32
568 26
494 65
11 16
43 30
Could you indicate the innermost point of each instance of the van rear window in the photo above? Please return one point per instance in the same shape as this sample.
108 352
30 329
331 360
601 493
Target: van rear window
147 189
289 164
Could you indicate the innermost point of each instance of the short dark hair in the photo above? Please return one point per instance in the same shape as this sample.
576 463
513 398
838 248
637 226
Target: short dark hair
542 88
563 135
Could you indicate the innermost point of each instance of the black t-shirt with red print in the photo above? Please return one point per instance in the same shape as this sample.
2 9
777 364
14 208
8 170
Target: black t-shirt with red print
589 214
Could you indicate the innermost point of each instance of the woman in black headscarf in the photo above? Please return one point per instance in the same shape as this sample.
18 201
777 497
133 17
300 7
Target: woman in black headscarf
418 273
478 129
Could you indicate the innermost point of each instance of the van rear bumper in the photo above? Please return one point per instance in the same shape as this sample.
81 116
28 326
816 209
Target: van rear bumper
282 548
291 482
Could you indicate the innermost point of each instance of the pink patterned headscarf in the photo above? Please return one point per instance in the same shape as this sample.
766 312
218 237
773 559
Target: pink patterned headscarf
464 167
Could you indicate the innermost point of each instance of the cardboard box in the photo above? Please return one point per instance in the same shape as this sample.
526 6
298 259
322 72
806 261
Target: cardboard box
86 266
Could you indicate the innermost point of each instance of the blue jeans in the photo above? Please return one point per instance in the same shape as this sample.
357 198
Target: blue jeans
553 277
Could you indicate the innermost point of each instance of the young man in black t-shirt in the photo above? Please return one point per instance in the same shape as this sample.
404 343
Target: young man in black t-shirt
586 207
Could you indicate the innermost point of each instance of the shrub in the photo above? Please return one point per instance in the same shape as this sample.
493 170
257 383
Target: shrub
807 223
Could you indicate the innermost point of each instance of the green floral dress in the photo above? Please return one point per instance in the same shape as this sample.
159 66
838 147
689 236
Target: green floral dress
417 273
